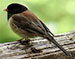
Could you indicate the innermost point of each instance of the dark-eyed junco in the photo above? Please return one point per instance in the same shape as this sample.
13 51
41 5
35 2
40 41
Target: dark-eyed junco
24 23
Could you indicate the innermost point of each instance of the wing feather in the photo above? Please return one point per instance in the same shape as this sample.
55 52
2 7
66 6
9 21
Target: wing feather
23 22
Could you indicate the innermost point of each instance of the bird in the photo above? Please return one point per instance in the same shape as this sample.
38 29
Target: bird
27 25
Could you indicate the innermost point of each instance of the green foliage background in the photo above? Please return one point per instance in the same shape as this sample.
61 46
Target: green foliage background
58 15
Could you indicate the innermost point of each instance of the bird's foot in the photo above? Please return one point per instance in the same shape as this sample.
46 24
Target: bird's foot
20 39
24 41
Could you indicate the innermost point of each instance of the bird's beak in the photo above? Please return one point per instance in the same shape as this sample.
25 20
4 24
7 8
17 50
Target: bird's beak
5 9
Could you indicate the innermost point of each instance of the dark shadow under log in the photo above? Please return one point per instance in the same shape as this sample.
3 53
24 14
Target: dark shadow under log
14 50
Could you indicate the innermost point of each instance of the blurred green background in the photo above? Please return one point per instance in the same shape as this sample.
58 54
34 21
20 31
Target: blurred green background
58 15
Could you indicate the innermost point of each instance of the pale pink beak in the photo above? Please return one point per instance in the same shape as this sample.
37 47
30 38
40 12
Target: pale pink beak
5 9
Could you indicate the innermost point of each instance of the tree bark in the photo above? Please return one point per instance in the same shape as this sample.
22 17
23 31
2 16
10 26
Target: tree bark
47 50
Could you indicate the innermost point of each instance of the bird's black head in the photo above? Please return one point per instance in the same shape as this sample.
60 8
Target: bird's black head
15 8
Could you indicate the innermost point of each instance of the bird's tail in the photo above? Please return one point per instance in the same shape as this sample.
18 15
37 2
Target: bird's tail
50 38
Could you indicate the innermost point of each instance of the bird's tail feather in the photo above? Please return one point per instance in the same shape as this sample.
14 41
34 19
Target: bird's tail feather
50 38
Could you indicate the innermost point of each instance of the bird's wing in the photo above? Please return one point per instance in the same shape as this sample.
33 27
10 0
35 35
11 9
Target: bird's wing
26 24
41 24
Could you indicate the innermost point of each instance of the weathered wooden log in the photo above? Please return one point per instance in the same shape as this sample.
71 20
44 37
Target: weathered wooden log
15 50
